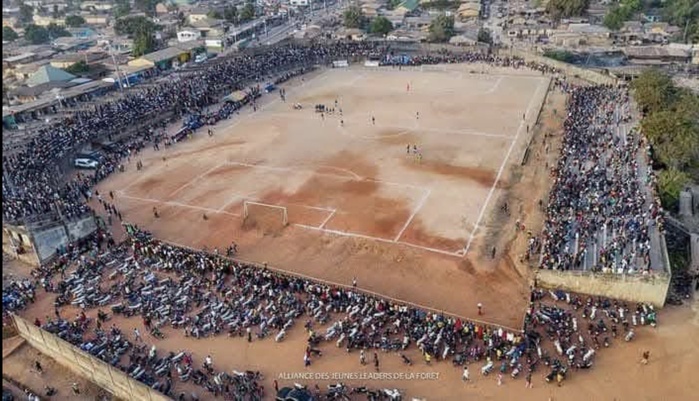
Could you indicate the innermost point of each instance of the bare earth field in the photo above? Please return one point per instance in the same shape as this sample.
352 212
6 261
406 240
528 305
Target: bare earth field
358 205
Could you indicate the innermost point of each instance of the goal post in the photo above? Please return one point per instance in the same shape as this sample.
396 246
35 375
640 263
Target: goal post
247 205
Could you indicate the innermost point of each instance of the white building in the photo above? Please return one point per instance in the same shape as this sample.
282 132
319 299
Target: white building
188 35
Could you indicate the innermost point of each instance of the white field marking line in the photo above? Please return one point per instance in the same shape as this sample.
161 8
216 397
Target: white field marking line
372 238
495 86
197 178
502 169
178 204
234 198
419 206
322 225
337 176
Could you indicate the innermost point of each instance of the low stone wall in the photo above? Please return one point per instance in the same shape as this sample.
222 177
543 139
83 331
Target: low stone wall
633 288
109 378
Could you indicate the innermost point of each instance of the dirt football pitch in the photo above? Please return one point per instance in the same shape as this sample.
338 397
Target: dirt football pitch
393 187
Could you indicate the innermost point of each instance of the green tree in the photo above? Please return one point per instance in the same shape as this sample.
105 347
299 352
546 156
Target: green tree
36 34
248 12
441 28
393 4
353 17
80 67
615 18
214 14
26 13
75 21
685 14
122 8
380 26
670 183
9 34
230 14
484 36
143 43
56 31
674 137
566 8
147 6
131 25
653 90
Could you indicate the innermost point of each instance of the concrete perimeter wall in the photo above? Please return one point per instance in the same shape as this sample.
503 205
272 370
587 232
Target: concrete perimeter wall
99 372
46 240
637 288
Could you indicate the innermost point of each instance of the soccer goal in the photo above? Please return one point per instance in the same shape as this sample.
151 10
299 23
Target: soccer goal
265 211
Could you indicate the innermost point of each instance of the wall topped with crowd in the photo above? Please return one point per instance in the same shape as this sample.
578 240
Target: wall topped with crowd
107 377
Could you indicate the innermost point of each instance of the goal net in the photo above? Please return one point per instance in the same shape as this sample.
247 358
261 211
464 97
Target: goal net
264 215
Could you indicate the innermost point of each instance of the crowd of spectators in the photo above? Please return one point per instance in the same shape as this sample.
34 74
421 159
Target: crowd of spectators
601 210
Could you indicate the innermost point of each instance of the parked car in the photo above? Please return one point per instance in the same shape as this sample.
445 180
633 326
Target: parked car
86 163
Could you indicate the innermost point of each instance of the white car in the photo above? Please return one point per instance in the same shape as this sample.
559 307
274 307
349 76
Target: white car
200 58
86 163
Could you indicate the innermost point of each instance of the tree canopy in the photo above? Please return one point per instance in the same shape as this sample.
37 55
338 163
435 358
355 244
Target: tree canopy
671 124
26 13
80 67
9 34
230 14
36 34
624 11
441 28
131 25
484 36
121 8
566 8
147 6
353 17
75 21
684 14
380 26
248 12
56 31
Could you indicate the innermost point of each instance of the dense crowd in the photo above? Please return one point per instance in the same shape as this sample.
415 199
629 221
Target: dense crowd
35 188
600 212
203 295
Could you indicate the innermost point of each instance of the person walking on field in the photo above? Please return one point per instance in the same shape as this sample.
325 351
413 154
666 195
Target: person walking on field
480 309
528 380
464 375
376 361
646 355
362 357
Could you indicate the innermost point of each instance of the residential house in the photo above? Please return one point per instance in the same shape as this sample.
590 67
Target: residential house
161 9
407 6
420 22
371 9
695 54
210 27
577 34
470 10
188 35
65 60
197 14
351 34
83 32
12 22
658 54
660 32
95 19
96 5
45 20
631 32
69 43
48 74
162 59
